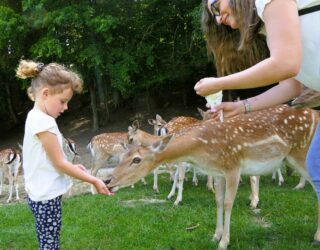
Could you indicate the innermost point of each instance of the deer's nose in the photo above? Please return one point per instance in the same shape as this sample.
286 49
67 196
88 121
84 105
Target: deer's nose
107 181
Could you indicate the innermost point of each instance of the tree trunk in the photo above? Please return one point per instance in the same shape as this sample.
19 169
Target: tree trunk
93 99
11 110
100 96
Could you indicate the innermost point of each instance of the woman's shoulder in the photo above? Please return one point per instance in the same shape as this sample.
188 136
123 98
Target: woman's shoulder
261 4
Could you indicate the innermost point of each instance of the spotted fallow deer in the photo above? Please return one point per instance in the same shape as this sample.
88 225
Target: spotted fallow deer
255 180
106 150
161 127
10 162
173 127
251 144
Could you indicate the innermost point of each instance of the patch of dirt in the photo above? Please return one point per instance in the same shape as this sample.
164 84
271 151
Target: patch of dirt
77 125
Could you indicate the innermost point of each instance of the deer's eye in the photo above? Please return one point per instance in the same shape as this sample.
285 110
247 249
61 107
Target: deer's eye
136 160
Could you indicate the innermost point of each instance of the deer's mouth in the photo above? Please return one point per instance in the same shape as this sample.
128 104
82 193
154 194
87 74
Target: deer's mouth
110 186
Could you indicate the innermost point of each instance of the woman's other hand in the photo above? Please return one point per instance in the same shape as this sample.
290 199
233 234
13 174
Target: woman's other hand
229 109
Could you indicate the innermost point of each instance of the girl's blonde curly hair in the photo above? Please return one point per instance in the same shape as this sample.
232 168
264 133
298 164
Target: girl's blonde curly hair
55 76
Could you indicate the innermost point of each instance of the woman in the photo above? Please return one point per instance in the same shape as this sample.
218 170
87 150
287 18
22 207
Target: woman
294 60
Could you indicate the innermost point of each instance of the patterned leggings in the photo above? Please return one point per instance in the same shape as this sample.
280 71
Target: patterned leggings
47 216
313 161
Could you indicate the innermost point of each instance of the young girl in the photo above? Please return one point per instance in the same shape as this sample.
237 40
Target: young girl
45 166
293 39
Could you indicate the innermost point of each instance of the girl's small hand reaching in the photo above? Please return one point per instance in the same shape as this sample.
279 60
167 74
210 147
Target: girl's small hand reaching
101 187
230 109
207 86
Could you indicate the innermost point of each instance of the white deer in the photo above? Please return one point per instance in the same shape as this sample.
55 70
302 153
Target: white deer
10 163
250 144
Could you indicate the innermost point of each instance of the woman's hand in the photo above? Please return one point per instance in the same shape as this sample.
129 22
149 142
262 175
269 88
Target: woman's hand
229 109
101 187
207 86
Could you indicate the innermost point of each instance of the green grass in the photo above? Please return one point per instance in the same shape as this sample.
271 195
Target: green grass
287 219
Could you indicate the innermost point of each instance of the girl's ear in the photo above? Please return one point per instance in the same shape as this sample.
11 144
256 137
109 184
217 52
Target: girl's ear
45 92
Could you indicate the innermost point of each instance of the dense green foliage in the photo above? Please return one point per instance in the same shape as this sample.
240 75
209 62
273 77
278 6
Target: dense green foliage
121 48
129 220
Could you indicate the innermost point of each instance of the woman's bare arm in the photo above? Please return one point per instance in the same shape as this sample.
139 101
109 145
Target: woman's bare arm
284 42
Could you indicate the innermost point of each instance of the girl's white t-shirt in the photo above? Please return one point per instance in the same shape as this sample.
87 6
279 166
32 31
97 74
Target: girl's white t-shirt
309 74
42 180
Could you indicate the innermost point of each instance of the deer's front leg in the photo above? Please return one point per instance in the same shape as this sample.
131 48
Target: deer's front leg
182 174
155 180
210 183
219 186
174 184
17 189
10 188
254 197
195 177
232 182
16 183
280 176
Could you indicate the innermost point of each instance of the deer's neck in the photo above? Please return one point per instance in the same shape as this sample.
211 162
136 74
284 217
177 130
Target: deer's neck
147 139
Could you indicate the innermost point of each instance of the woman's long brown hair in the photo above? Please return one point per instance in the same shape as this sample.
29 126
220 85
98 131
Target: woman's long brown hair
235 50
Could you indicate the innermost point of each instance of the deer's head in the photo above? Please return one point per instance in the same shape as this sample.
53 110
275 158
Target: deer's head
136 163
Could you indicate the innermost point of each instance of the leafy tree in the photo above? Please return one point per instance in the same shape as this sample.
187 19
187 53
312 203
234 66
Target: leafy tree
122 48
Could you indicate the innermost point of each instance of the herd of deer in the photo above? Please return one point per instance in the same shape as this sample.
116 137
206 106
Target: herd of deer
251 144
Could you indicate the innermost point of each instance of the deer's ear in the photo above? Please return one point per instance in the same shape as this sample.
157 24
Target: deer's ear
160 120
151 122
160 145
135 124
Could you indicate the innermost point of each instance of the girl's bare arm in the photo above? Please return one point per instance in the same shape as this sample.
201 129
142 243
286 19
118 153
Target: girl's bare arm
51 146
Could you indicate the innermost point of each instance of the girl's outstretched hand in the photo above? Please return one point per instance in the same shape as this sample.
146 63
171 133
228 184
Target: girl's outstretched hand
101 187
230 109
207 86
